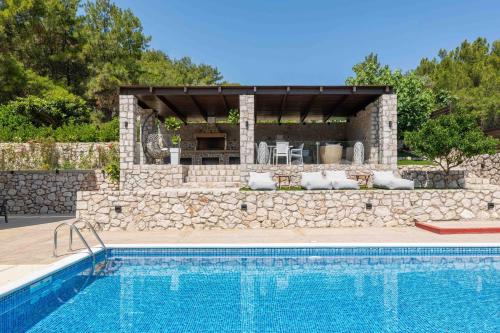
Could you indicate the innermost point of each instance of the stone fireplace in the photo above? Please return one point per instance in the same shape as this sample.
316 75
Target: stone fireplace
211 141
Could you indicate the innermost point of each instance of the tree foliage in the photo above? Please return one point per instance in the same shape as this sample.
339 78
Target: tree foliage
470 75
450 139
56 50
415 99
158 69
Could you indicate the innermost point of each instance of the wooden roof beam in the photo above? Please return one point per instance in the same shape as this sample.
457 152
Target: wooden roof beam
143 105
283 104
197 104
307 108
173 108
224 100
335 108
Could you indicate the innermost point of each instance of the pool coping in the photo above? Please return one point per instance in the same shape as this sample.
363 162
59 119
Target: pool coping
59 265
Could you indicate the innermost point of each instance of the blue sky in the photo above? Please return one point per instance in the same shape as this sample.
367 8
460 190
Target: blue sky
310 42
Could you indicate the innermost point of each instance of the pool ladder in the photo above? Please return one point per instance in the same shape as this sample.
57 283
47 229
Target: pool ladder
73 228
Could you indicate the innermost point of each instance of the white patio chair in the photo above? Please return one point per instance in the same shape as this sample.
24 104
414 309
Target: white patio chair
297 153
261 181
282 150
315 181
387 180
339 180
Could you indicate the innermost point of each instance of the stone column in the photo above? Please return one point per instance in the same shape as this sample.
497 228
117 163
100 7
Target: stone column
128 113
247 128
387 129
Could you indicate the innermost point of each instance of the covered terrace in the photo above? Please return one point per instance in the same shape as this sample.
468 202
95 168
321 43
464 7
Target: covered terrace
309 116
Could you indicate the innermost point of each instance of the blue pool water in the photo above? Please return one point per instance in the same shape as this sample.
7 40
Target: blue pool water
266 290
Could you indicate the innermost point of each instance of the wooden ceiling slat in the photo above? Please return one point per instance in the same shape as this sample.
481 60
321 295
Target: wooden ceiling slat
335 108
201 110
307 108
173 108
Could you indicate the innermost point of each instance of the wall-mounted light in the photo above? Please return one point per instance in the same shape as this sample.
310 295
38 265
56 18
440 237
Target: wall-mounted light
126 124
118 209
369 206
491 205
244 207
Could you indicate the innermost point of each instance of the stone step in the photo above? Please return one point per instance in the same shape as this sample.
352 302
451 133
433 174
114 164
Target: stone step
212 178
211 185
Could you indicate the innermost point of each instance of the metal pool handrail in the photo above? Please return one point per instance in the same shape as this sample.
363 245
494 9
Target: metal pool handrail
92 229
72 228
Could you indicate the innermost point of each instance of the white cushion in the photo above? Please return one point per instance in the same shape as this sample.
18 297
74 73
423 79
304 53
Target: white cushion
335 174
402 184
339 180
387 179
345 184
261 181
315 181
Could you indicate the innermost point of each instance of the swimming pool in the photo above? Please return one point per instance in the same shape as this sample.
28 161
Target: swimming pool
368 289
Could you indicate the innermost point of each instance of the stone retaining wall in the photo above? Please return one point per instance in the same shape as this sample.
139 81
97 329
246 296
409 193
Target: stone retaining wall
151 177
426 176
48 192
36 156
485 166
224 209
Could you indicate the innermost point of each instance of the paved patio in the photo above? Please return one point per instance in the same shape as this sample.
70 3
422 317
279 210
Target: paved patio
26 241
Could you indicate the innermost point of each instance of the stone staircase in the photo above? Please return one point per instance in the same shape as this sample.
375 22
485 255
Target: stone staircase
212 176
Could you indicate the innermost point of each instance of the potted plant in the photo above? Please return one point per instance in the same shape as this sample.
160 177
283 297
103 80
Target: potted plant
175 152
172 125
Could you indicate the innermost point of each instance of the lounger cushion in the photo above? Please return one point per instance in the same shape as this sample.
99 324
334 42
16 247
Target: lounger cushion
339 180
315 181
386 179
261 181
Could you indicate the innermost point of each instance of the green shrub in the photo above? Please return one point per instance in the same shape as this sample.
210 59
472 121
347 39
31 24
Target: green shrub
54 112
109 131
233 117
450 140
111 158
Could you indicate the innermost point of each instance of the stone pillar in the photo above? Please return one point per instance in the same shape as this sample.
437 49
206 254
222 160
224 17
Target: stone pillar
387 129
247 128
128 113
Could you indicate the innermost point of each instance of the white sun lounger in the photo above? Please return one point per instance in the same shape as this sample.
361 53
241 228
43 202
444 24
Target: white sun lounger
387 180
261 181
339 180
315 181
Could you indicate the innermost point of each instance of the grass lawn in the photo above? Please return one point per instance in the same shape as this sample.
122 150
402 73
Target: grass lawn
415 162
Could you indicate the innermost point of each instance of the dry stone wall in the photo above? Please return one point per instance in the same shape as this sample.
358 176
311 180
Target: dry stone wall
230 208
485 166
48 192
34 156
432 177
